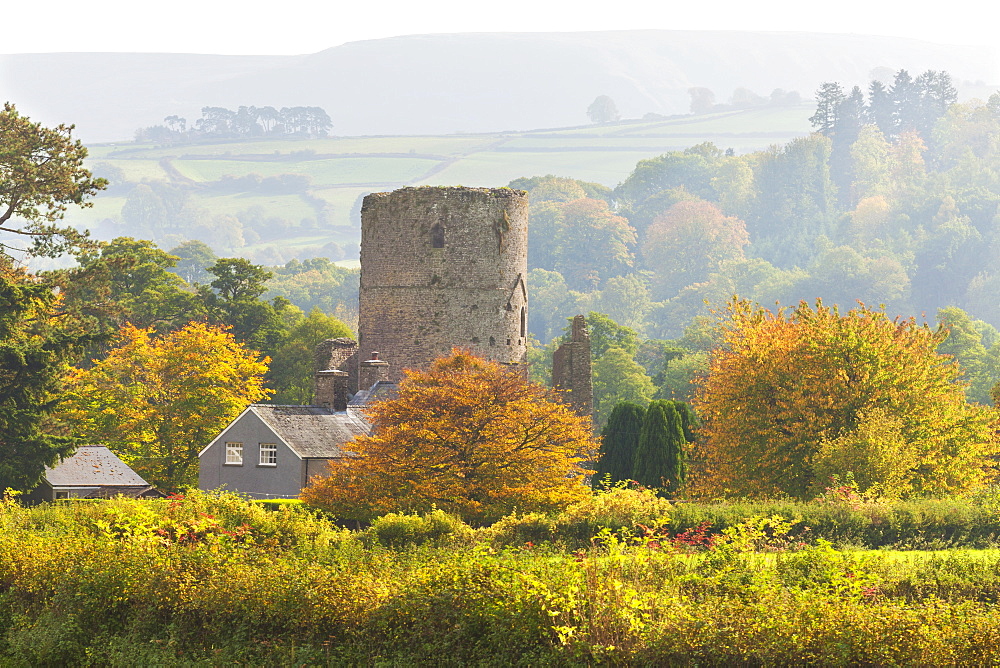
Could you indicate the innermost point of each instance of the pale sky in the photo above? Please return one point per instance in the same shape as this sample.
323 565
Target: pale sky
298 26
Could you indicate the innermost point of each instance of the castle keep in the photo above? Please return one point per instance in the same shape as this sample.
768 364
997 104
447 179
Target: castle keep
440 268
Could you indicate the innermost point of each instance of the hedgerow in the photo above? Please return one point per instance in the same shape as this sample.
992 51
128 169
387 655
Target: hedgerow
216 580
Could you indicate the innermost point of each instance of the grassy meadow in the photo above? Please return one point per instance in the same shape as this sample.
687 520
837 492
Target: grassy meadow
213 580
340 170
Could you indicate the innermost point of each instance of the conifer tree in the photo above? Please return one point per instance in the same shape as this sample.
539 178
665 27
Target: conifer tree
677 461
34 348
619 442
659 456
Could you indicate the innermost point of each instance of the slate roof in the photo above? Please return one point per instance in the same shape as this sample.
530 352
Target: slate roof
312 431
93 466
381 390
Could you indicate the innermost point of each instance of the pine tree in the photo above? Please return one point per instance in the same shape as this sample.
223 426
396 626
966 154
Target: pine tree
905 101
829 99
619 442
880 108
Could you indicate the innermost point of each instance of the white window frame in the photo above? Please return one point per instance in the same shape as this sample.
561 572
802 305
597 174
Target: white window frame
234 454
271 450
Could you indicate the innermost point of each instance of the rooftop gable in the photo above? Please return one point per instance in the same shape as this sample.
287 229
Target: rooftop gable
91 466
312 431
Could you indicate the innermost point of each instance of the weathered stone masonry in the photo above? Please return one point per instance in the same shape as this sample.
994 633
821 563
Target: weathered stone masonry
571 368
444 267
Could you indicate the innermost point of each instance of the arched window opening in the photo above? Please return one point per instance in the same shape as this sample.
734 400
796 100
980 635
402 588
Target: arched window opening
437 236
524 323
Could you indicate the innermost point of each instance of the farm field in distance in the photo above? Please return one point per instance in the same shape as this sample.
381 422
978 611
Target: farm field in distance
334 174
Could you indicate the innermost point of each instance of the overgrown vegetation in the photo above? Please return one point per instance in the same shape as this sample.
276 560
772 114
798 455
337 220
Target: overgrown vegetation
623 578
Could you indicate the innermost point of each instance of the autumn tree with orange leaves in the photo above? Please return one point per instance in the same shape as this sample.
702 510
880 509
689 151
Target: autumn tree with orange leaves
796 397
468 436
156 402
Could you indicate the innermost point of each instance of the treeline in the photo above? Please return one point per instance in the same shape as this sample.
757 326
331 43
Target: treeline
135 282
903 214
245 122
703 100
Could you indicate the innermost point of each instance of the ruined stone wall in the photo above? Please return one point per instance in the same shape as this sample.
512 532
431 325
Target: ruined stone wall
333 353
444 267
571 369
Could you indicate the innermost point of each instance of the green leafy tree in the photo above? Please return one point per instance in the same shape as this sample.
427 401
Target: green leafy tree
127 280
605 334
625 299
193 260
591 244
292 368
870 164
796 201
603 110
685 174
618 378
974 344
41 174
234 300
552 303
317 283
619 442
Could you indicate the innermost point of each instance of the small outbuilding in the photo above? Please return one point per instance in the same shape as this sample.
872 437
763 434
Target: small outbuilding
92 472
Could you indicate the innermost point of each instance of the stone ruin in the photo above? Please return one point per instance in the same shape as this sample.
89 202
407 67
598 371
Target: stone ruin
571 371
445 267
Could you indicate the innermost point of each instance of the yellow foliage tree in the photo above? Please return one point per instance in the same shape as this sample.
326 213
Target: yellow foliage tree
467 436
156 402
794 397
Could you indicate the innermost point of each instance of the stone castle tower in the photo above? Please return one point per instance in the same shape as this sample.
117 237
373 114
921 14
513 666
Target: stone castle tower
440 268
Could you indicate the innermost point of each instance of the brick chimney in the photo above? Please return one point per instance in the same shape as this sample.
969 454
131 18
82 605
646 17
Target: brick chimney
371 371
331 389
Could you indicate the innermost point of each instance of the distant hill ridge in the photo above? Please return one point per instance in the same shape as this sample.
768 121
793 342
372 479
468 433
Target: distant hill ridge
468 82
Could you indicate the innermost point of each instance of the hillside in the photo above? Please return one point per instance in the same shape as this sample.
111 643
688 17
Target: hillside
302 218
474 83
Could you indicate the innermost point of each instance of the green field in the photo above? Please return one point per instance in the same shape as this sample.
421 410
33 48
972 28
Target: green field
331 171
341 169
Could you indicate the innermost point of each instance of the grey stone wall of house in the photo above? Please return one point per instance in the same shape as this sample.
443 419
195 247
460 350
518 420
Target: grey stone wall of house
444 267
284 480
571 370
